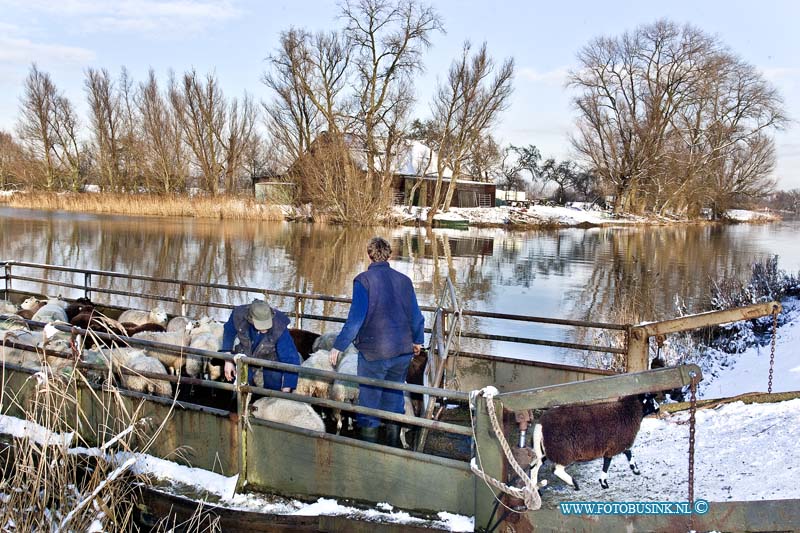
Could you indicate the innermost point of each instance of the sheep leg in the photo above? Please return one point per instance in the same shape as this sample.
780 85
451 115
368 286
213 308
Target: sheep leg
403 440
566 478
604 473
631 462
338 416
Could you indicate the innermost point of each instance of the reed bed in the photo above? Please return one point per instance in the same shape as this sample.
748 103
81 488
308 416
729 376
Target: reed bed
215 207
55 479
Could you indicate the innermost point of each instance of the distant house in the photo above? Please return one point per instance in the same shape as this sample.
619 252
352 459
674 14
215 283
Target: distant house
417 162
273 187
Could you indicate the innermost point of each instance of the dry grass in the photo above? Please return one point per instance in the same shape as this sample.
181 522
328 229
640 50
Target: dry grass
53 483
217 207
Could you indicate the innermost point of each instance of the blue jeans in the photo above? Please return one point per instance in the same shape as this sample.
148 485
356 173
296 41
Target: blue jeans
394 369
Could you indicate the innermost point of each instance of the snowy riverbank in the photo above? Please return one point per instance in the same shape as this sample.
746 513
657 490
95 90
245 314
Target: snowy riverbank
730 374
551 216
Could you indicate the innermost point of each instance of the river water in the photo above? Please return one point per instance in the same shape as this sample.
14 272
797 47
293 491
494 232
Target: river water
620 274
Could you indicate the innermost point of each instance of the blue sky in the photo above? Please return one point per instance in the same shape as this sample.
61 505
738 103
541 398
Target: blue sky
234 36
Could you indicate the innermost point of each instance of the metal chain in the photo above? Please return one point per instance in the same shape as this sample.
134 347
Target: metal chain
772 349
692 410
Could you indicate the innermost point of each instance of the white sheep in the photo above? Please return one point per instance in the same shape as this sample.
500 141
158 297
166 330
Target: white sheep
140 383
192 364
18 356
139 317
31 303
324 342
115 357
51 312
288 412
315 386
345 391
179 323
7 308
206 325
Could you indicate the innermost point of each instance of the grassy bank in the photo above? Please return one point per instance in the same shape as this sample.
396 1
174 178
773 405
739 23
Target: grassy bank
218 207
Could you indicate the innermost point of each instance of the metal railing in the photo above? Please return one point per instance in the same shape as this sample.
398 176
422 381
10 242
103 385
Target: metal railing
179 298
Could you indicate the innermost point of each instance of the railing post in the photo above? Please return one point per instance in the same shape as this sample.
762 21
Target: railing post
638 357
182 299
242 401
8 280
87 284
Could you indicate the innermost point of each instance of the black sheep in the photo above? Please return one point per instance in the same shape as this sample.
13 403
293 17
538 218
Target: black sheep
77 307
575 433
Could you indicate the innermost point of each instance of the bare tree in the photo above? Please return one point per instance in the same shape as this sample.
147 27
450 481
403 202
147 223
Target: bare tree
162 137
106 125
388 38
36 124
200 108
306 76
664 110
16 165
465 107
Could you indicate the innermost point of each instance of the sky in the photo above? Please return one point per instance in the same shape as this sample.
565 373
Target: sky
233 38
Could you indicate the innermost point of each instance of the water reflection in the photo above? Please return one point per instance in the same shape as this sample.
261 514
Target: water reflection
600 274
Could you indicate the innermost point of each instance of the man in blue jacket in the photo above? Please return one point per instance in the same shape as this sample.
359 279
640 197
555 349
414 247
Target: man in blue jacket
387 327
262 333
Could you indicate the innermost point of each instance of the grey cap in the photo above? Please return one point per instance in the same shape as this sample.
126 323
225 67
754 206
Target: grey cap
260 315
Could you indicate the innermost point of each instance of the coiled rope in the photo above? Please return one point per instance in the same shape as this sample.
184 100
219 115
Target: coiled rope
529 492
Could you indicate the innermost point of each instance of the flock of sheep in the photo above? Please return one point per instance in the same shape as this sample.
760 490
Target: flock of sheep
563 434
126 363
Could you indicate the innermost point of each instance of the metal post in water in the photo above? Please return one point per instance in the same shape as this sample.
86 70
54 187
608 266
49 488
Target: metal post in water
87 284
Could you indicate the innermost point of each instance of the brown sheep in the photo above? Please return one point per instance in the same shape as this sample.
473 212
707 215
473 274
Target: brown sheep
303 341
574 433
416 376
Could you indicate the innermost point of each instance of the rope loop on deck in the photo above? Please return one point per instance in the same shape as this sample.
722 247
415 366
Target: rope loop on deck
529 492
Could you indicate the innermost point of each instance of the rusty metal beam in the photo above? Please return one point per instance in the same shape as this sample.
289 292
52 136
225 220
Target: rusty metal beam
712 318
599 389
638 357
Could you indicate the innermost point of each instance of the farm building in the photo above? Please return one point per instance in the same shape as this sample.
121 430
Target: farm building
416 164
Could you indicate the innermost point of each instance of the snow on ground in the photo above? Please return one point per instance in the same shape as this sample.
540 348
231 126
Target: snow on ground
19 428
201 483
540 215
726 375
742 452
743 215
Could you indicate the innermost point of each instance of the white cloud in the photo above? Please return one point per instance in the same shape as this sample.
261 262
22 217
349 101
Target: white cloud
163 18
780 73
557 76
23 51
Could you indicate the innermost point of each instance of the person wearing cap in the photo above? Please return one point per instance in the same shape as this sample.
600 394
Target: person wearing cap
263 333
387 327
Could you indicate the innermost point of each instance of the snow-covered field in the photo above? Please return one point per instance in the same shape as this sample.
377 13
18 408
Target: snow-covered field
742 452
726 375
